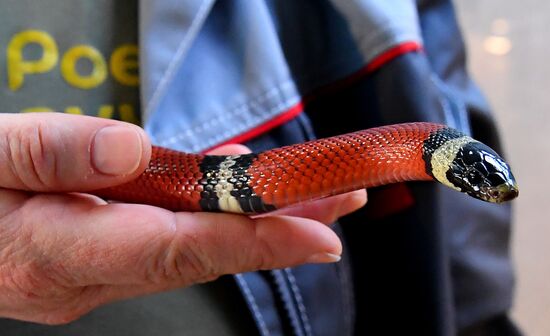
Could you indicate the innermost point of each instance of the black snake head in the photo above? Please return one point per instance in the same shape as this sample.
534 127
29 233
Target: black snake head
481 173
467 165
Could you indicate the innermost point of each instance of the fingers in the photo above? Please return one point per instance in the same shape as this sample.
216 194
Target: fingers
327 210
199 247
229 149
73 252
205 246
121 244
59 152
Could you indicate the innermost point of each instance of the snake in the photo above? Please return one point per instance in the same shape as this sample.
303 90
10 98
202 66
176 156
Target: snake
262 182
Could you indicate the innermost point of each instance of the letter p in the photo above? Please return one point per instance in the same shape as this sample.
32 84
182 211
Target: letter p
18 67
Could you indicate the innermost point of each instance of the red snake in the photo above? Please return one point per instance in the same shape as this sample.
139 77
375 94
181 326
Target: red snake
262 182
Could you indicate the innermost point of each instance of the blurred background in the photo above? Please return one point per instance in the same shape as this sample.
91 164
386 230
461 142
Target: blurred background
509 56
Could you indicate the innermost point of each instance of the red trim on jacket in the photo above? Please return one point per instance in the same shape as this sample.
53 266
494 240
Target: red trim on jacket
280 119
295 110
388 200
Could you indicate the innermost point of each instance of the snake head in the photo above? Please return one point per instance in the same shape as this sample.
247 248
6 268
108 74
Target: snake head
480 172
467 165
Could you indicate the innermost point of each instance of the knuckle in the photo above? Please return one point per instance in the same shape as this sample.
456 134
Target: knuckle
258 253
32 155
36 286
78 302
189 256
51 303
263 256
26 271
188 260
30 282
181 257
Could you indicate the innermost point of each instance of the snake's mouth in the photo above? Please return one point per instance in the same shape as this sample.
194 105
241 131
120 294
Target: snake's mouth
501 193
508 192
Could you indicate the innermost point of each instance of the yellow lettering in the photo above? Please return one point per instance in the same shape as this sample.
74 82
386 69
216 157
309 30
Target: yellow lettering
37 109
106 111
18 67
70 73
127 113
124 65
74 110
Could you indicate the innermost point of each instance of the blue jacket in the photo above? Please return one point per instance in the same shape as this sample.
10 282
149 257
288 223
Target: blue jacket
419 258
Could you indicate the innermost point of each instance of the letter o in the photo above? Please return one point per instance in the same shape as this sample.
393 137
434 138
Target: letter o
71 75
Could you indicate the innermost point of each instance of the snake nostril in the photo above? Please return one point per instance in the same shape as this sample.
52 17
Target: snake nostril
495 194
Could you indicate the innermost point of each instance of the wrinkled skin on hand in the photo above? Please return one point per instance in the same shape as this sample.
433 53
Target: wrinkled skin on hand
64 252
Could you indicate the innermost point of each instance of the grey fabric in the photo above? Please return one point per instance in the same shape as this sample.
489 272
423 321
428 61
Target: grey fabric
204 310
102 25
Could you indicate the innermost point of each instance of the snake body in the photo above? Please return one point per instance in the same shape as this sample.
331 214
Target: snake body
262 182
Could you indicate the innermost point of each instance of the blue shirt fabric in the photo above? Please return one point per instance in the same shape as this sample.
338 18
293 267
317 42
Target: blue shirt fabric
218 68
215 69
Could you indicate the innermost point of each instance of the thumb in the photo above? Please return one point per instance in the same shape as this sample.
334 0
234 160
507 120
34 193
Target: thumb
60 152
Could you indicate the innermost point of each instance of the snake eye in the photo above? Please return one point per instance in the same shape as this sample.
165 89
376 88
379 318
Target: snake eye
474 177
496 179
470 157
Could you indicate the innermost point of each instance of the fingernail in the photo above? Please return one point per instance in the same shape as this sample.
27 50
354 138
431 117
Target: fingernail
116 150
321 258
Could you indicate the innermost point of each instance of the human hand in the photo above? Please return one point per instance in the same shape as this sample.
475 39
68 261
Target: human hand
64 253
